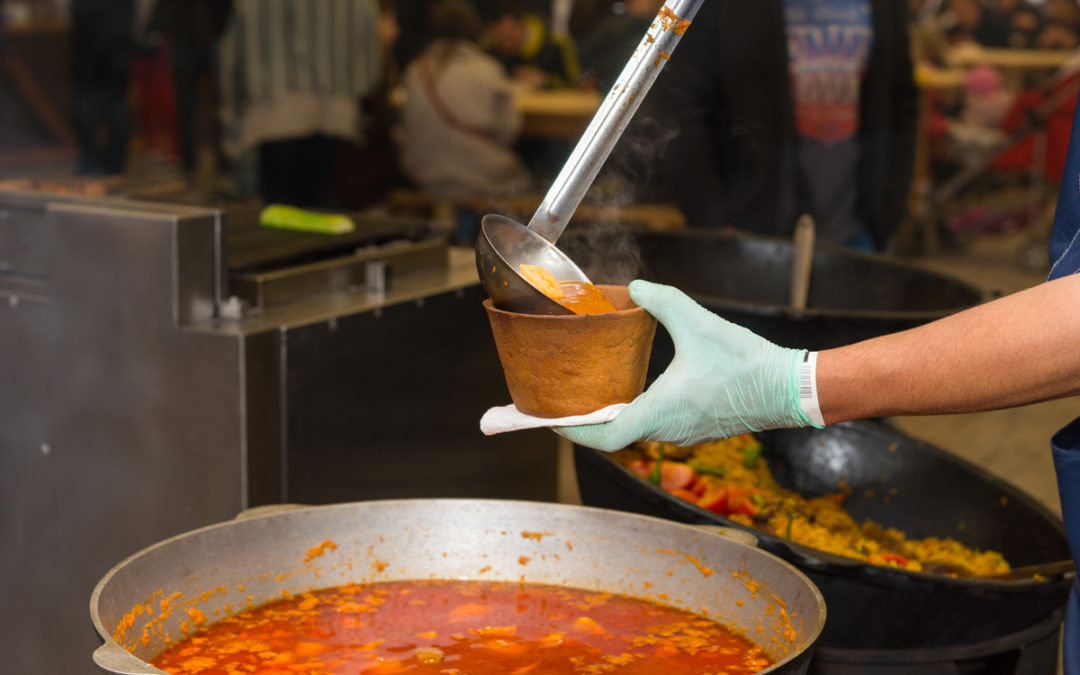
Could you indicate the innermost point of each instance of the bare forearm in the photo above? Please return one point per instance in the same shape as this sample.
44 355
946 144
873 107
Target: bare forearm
1019 349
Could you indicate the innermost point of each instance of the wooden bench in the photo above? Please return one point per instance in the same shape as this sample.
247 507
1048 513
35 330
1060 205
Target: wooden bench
658 216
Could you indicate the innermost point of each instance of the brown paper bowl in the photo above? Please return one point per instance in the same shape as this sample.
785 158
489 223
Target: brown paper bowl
559 365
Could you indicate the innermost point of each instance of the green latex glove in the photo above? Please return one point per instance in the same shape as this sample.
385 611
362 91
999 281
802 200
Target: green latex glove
724 381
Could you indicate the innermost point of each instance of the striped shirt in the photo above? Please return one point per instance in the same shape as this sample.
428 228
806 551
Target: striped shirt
294 68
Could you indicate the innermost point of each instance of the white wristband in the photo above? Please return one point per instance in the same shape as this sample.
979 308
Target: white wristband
808 397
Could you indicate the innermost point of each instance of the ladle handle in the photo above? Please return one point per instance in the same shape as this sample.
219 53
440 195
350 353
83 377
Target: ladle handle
611 118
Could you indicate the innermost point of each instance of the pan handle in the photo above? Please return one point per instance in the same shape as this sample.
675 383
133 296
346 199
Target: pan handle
733 533
115 659
269 510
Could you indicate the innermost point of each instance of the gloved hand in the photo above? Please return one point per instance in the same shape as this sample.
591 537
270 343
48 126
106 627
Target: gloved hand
724 380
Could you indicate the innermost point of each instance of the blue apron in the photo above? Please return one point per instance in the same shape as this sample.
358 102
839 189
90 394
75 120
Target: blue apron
1065 260
1066 447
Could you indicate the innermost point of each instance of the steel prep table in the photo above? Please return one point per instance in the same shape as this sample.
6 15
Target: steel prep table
151 385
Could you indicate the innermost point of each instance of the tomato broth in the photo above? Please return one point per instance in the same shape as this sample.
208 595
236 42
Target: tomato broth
581 297
460 628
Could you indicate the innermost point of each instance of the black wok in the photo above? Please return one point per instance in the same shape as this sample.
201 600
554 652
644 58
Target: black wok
747 279
897 481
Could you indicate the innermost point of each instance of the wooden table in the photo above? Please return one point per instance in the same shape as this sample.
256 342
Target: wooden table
650 216
929 79
550 113
968 55
558 113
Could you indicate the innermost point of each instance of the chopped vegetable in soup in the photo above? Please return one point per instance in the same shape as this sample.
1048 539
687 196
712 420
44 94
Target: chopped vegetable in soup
462 627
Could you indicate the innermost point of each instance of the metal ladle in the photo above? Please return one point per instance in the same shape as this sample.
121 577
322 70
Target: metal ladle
504 244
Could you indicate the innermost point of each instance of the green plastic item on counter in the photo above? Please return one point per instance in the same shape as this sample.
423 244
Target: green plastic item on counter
282 217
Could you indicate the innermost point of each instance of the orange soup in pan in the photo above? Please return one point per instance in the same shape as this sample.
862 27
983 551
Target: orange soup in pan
462 628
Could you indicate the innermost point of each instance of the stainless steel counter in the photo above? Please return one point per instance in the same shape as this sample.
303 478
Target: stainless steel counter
140 400
458 276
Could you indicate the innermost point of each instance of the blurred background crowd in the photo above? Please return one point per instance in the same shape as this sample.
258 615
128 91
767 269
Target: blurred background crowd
898 124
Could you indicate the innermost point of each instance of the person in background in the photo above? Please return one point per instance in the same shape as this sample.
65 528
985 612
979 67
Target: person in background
102 48
986 100
1024 23
1019 349
366 172
292 74
1062 27
1057 35
611 41
972 21
789 107
586 14
413 17
459 119
530 53
192 29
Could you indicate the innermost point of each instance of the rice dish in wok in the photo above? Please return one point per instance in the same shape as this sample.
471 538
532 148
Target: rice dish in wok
730 478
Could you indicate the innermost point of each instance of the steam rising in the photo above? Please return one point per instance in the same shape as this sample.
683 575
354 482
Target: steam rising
607 251
604 244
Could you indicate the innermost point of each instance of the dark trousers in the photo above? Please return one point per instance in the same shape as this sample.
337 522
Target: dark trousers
92 104
297 171
100 75
1065 445
193 68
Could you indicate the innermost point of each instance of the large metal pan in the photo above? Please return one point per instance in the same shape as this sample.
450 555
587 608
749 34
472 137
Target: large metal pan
900 482
254 559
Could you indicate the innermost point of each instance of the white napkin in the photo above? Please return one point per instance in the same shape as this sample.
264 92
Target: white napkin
509 418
